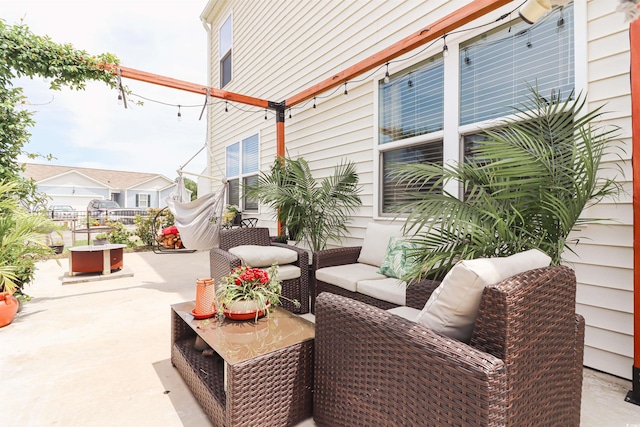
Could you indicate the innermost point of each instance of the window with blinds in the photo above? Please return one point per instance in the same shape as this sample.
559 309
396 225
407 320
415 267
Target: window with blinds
225 51
242 166
395 194
497 66
412 103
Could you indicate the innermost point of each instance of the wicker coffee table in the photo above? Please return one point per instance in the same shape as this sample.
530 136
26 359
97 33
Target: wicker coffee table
259 373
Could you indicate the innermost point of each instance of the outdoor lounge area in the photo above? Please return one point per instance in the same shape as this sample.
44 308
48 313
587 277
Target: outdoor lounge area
98 353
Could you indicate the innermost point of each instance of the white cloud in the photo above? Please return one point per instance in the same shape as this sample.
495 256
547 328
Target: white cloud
88 128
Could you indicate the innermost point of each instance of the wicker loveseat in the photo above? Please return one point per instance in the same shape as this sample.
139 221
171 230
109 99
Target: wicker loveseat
354 272
294 273
523 365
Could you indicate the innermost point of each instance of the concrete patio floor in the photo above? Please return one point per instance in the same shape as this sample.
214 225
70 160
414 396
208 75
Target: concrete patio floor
97 353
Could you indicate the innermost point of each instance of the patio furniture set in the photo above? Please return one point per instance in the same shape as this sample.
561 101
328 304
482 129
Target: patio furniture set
509 353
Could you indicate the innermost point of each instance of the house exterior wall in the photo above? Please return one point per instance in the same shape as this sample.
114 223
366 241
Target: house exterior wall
604 258
76 196
281 48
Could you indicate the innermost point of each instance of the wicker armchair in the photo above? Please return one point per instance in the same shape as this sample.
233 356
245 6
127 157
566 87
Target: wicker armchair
417 292
523 365
222 262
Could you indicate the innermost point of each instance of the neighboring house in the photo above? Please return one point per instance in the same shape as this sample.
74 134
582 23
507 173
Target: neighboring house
74 186
430 109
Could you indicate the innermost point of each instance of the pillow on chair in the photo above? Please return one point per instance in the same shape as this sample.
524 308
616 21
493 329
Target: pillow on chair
453 306
264 256
395 262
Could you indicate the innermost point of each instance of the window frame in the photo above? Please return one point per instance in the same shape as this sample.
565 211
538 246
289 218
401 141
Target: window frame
227 53
240 178
453 133
139 197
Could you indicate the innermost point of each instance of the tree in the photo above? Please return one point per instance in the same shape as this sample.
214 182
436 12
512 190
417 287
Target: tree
23 53
191 186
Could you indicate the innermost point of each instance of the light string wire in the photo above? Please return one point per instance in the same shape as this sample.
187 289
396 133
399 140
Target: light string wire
343 86
404 59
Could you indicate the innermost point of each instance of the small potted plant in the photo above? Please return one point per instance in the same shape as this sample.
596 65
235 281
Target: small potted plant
247 293
231 216
100 239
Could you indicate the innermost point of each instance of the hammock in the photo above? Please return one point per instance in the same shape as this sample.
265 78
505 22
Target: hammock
198 221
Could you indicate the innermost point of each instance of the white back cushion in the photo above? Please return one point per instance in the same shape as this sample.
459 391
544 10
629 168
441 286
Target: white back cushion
453 306
264 256
376 240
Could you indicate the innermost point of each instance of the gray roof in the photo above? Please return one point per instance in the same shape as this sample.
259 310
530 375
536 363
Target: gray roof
110 178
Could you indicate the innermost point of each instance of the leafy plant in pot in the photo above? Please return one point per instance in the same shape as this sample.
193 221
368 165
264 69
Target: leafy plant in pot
21 244
313 212
248 293
100 239
525 187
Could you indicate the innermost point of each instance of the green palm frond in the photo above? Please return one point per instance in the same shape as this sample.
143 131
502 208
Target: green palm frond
526 187
316 212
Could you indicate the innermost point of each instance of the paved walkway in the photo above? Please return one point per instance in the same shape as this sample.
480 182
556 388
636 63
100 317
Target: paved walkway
97 353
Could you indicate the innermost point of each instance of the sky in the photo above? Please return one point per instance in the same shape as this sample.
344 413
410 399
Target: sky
89 128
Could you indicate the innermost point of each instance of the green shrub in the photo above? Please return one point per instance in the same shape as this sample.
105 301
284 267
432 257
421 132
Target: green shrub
144 224
120 235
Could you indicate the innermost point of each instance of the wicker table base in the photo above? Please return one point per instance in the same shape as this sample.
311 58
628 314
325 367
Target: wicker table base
260 373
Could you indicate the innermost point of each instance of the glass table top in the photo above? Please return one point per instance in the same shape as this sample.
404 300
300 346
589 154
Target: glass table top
238 341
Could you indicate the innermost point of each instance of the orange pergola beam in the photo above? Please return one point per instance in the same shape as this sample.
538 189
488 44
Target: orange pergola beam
157 79
454 20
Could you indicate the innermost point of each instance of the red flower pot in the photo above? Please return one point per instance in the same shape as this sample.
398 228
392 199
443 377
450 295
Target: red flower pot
8 308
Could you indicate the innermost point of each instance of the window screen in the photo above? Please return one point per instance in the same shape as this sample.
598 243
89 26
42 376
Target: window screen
497 66
233 160
412 103
394 193
225 51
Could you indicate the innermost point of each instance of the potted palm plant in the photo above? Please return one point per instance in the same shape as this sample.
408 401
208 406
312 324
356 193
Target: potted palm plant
526 186
313 211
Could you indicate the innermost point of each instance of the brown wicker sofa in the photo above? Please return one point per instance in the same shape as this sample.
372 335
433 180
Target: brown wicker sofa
523 365
222 262
416 293
361 264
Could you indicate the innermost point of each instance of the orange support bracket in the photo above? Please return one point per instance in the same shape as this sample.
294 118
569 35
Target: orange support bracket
634 38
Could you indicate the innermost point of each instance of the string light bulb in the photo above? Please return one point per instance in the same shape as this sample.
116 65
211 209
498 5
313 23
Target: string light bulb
314 102
226 106
119 99
386 75
265 114
345 89
445 48
289 112
179 114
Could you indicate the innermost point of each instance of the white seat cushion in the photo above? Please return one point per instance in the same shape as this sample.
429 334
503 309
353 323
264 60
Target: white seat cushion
376 240
288 272
453 306
264 256
347 276
408 313
390 289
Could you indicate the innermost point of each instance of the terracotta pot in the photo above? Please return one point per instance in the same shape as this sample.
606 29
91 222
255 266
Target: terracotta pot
8 308
244 310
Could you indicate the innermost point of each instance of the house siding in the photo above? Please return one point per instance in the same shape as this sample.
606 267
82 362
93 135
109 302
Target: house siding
604 258
281 48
